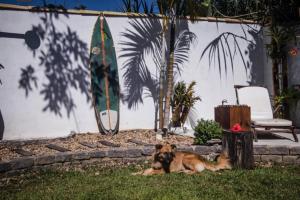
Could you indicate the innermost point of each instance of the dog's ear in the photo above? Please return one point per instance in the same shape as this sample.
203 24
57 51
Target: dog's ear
173 146
158 146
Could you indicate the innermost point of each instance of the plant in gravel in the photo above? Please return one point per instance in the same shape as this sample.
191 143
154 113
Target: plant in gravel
182 102
206 130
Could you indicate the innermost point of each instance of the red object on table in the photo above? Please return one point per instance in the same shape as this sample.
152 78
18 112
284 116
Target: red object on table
236 128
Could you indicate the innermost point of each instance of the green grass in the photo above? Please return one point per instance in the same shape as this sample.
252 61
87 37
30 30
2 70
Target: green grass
262 183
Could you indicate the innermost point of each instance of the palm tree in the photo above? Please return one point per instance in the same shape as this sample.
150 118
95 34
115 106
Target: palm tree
174 10
137 6
162 72
171 10
144 38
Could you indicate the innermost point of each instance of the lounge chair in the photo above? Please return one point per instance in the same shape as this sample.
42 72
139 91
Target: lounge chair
261 110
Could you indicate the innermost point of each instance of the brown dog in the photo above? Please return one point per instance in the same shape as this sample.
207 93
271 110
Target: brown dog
167 160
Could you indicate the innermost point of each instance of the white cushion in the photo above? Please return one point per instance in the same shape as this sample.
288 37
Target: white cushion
258 99
272 122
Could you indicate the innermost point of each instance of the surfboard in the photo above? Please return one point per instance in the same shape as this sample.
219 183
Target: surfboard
104 78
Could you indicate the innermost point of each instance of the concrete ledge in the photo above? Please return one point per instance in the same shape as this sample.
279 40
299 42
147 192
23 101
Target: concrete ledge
105 157
257 158
291 159
295 150
271 158
271 150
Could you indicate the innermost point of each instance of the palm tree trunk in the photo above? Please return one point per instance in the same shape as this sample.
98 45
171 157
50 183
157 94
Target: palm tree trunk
170 75
155 115
162 73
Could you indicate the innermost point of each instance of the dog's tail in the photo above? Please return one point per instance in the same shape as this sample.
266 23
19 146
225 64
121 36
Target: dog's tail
223 162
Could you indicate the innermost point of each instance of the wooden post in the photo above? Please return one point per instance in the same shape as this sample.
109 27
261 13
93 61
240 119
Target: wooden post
239 146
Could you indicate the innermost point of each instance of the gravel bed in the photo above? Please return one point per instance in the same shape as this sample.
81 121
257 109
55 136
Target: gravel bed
72 142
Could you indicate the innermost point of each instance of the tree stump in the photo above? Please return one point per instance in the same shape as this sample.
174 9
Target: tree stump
239 146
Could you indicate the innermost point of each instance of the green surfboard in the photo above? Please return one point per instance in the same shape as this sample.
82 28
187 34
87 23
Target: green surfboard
105 79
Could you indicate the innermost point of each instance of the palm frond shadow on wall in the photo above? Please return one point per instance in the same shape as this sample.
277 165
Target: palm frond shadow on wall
222 51
142 39
65 63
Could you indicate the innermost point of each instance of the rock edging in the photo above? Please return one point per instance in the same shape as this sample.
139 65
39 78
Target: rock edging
262 153
277 154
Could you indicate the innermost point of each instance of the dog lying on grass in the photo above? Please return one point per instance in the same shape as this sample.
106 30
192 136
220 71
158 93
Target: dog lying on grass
168 160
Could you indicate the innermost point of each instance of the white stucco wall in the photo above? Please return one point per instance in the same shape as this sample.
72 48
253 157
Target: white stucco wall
24 117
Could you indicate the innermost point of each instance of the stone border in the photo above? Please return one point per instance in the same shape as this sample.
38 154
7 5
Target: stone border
262 154
277 154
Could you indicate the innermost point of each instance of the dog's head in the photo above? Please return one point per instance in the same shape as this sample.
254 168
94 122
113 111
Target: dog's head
164 154
224 161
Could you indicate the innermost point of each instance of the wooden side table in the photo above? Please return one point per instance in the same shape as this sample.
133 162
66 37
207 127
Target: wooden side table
229 115
239 146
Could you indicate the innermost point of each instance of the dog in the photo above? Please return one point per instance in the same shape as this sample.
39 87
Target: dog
168 160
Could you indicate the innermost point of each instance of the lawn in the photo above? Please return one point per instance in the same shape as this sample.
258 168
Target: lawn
261 183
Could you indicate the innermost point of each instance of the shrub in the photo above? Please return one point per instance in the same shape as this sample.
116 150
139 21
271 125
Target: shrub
206 130
182 101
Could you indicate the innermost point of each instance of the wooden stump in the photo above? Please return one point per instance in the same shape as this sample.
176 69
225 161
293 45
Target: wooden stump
239 146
